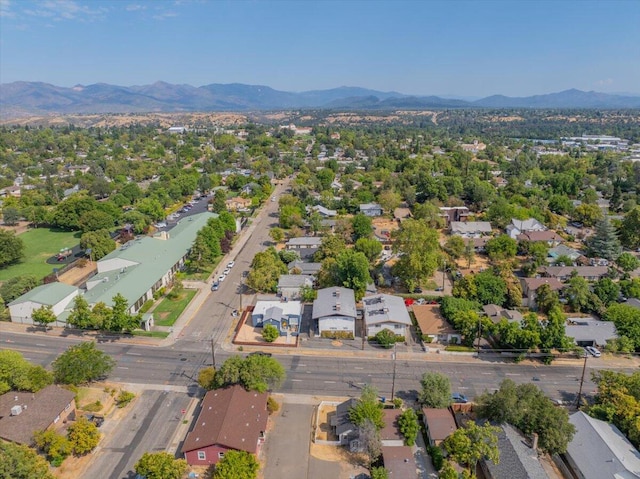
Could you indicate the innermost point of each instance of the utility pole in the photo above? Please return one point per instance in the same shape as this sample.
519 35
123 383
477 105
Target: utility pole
479 329
444 272
393 381
213 353
584 368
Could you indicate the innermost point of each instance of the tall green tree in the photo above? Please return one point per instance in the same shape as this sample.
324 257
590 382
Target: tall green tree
526 407
362 226
471 443
627 321
19 374
237 465
367 408
409 426
630 229
99 242
83 436
370 247
436 390
21 462
160 465
82 363
11 248
604 243
80 315
95 220
420 250
628 262
43 316
501 248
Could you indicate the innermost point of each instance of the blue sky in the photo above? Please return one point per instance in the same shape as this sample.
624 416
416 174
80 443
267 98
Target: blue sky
462 48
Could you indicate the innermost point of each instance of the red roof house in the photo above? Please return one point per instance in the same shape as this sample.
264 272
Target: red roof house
230 419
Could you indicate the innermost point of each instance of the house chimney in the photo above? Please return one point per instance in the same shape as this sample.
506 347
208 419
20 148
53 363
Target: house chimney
534 444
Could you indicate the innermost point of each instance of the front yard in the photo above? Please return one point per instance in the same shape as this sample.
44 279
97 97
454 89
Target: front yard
169 310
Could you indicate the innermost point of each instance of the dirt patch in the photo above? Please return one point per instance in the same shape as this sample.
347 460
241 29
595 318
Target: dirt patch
336 344
20 228
324 431
78 275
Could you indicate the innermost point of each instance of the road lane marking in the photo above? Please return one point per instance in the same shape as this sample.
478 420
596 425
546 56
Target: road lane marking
297 380
513 374
122 367
134 354
358 367
302 365
329 382
487 374
42 345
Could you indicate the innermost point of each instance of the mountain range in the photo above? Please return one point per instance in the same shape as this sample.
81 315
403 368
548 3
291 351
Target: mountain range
35 98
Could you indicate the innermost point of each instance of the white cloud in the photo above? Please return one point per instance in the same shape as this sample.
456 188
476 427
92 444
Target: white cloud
5 9
164 15
605 82
134 7
66 10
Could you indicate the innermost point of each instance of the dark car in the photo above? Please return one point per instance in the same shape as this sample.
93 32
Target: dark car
417 290
259 353
215 286
459 398
96 419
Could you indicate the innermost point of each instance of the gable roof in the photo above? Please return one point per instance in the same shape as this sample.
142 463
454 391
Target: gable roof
440 422
583 271
149 259
590 329
530 224
304 267
564 250
430 320
334 301
370 206
532 284
41 410
294 280
517 459
601 451
470 227
46 294
399 461
341 420
305 241
230 417
391 429
385 308
534 236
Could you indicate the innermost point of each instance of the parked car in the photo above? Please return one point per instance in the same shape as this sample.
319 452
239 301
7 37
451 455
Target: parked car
226 271
96 419
231 264
221 278
593 351
417 290
215 286
459 398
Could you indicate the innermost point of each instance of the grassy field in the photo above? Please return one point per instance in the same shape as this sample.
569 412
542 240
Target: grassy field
151 334
40 244
169 310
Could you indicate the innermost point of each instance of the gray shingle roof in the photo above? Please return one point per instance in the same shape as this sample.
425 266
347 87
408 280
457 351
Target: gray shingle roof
517 459
326 304
383 308
42 409
601 451
295 280
589 329
470 227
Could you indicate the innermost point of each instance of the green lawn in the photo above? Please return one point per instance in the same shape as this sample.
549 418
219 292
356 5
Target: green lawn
151 334
169 310
40 244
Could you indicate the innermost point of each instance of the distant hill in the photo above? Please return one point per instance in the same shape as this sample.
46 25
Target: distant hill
565 99
22 98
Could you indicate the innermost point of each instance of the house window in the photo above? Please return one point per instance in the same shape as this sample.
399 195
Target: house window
68 406
202 455
220 455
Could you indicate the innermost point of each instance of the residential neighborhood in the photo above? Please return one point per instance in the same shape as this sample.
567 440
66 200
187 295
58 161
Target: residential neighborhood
279 302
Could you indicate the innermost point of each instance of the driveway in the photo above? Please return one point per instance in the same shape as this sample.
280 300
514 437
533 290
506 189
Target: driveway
287 447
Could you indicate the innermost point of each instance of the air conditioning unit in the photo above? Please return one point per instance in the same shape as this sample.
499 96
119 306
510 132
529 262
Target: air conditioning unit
15 410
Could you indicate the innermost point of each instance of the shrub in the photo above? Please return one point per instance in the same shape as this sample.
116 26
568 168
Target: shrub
386 338
426 338
436 457
270 333
93 407
337 334
272 405
146 306
82 262
124 398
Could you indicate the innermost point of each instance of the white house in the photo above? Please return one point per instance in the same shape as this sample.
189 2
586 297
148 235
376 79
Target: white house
517 227
334 310
385 311
56 295
371 209
284 315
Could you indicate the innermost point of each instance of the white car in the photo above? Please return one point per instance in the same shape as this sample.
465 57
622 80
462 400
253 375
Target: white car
221 278
226 271
231 265
593 351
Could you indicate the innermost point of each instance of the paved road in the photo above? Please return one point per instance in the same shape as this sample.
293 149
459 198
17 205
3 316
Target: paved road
179 365
148 427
